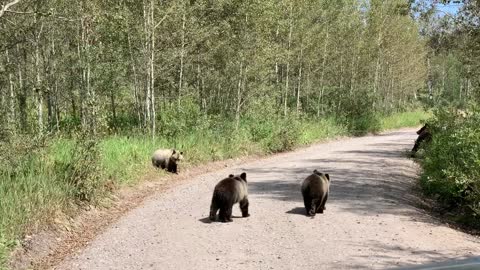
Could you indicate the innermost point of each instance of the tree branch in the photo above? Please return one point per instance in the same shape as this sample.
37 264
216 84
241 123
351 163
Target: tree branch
5 7
164 17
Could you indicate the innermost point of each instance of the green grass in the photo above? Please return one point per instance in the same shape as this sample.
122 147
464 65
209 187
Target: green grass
323 129
38 188
405 119
28 199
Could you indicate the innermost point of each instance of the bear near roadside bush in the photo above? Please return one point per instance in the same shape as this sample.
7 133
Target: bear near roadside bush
424 135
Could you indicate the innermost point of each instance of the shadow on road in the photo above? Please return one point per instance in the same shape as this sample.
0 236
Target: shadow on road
297 211
379 252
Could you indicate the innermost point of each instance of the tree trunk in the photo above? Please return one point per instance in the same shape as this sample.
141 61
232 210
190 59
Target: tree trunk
182 55
152 74
136 97
239 97
22 95
38 81
147 44
288 61
322 76
299 80
11 104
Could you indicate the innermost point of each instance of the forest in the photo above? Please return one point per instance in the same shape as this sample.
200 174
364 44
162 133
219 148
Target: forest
90 88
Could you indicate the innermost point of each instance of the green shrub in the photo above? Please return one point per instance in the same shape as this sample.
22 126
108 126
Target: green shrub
358 115
452 159
83 172
285 135
314 130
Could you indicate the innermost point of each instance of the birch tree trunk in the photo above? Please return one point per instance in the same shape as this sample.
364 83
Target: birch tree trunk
11 103
322 76
288 61
38 80
299 80
239 96
22 95
152 62
136 98
182 55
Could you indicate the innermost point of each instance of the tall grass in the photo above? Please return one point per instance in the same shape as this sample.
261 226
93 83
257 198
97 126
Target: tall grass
405 119
42 181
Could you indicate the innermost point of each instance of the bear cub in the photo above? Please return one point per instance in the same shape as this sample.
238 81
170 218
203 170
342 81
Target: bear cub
315 190
167 159
228 192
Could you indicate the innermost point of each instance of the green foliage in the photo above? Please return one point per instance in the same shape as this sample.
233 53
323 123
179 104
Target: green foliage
404 119
321 129
285 135
178 119
29 189
452 159
225 78
83 171
358 113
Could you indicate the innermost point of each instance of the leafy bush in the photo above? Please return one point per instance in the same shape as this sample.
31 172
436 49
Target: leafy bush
285 136
176 121
358 113
452 159
83 171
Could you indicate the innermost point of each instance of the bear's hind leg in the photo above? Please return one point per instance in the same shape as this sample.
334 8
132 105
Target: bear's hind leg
313 207
225 214
244 207
229 214
308 203
213 210
321 206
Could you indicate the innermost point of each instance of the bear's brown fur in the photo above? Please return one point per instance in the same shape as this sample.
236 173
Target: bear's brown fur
315 189
228 192
167 159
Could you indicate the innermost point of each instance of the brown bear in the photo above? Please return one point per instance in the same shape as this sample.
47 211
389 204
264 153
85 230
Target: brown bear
167 159
315 190
228 192
424 136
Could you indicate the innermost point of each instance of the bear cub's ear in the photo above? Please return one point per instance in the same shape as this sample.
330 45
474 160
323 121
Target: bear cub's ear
230 175
244 176
173 151
328 176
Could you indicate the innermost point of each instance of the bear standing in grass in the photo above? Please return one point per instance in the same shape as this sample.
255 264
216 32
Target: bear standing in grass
315 190
228 192
167 159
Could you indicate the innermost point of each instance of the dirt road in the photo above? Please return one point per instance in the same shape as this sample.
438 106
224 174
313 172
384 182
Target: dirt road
371 220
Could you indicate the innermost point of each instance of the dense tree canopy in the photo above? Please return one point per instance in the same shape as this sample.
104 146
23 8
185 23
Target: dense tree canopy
104 65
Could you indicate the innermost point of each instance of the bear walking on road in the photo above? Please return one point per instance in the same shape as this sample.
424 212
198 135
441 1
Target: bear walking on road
315 189
228 192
